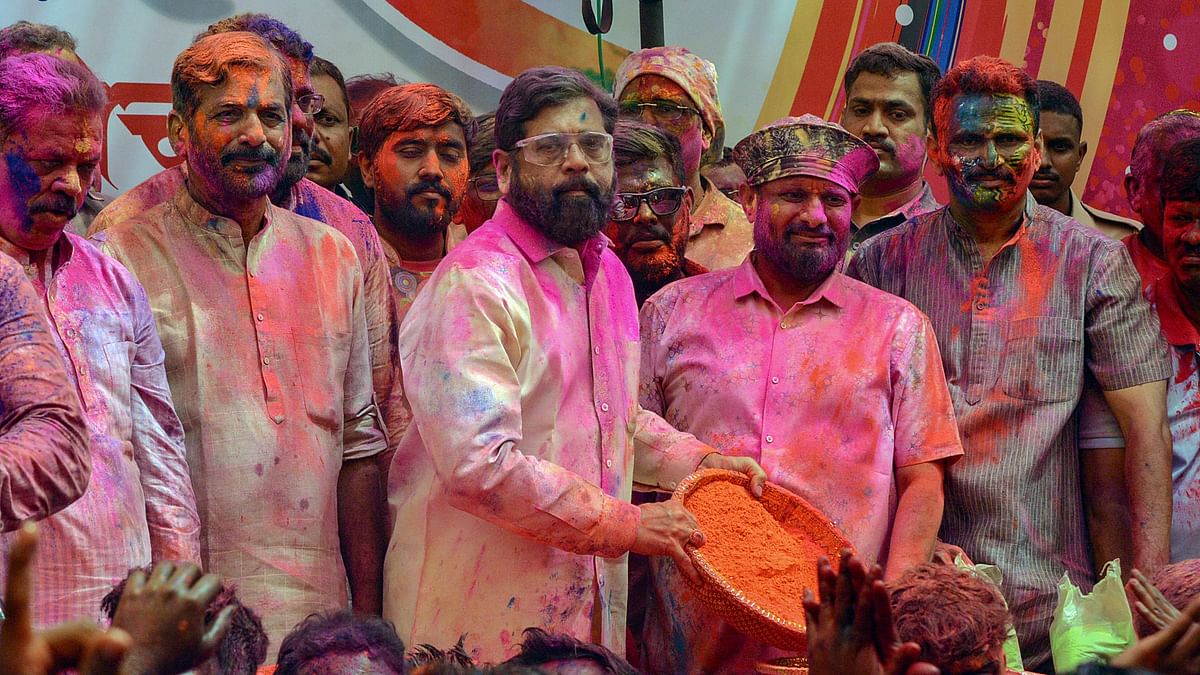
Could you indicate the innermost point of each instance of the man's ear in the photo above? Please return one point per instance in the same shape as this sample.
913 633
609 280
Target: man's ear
934 152
1083 148
748 196
177 133
1133 192
367 171
502 162
855 200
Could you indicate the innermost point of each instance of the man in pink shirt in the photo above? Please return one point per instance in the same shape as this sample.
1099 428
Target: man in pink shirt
520 362
139 506
757 361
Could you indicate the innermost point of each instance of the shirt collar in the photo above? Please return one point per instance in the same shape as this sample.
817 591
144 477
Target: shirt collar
199 217
1167 298
746 282
713 210
61 253
537 246
924 202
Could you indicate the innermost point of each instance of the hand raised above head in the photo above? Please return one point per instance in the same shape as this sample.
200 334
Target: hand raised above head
165 616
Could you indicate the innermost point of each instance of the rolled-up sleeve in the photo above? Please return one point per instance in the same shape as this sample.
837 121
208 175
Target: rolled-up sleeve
461 380
44 460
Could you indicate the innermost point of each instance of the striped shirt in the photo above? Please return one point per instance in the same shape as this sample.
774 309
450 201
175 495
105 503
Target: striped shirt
1018 334
139 506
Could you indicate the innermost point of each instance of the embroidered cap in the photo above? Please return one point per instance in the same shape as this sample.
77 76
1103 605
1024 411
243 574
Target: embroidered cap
806 146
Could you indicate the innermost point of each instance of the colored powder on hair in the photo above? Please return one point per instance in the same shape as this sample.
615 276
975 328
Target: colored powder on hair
752 551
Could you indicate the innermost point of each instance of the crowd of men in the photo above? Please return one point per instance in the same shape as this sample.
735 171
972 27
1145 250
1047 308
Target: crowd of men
367 369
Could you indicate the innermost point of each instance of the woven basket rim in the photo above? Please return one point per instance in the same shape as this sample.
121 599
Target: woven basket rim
796 632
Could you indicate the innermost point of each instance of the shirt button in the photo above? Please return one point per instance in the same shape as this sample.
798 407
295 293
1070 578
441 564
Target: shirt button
266 361
604 407
671 485
596 351
770 439
774 380
608 463
70 332
979 306
783 324
278 419
259 316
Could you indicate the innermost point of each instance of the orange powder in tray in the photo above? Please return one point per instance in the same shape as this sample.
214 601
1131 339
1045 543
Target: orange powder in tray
750 549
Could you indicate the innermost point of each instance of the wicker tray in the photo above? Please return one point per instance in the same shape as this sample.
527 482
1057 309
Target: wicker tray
801 519
792 665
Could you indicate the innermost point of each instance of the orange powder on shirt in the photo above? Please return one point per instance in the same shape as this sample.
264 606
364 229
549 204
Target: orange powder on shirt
752 551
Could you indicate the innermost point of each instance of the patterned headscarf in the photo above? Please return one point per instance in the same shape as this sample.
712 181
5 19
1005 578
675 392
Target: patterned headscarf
697 76
806 146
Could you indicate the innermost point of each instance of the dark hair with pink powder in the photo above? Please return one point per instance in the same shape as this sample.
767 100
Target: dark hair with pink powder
986 75
540 647
24 37
36 84
408 107
954 614
287 41
208 62
545 87
340 632
243 648
1156 138
1179 582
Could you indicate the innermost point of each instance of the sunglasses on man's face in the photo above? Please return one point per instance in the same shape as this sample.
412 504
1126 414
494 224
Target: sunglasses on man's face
662 201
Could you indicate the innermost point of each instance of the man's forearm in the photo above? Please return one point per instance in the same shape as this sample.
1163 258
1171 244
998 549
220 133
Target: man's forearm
1148 482
1106 506
362 527
918 517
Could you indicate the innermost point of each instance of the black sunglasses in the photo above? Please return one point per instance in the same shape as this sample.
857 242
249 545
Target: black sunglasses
662 201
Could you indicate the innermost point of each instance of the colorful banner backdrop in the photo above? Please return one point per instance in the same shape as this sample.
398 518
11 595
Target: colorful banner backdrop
774 58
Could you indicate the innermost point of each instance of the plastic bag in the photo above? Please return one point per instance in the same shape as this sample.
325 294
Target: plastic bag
1091 627
1012 647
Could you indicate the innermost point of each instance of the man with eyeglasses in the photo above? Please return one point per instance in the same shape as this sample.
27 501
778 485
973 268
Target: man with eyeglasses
649 220
413 145
675 90
263 324
293 192
330 157
483 189
756 361
520 363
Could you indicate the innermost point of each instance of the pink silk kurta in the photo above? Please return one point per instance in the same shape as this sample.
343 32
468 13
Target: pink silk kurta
510 492
139 504
831 396
266 355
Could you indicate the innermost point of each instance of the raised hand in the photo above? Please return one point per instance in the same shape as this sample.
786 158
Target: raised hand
1174 649
165 616
24 651
1150 602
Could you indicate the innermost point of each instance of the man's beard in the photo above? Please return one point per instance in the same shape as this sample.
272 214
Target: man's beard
409 220
652 271
215 169
805 264
567 220
297 165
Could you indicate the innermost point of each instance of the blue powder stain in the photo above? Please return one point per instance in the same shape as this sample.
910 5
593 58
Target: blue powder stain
24 180
512 601
309 209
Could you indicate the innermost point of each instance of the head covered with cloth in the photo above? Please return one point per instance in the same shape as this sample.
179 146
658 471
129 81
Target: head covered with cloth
803 176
